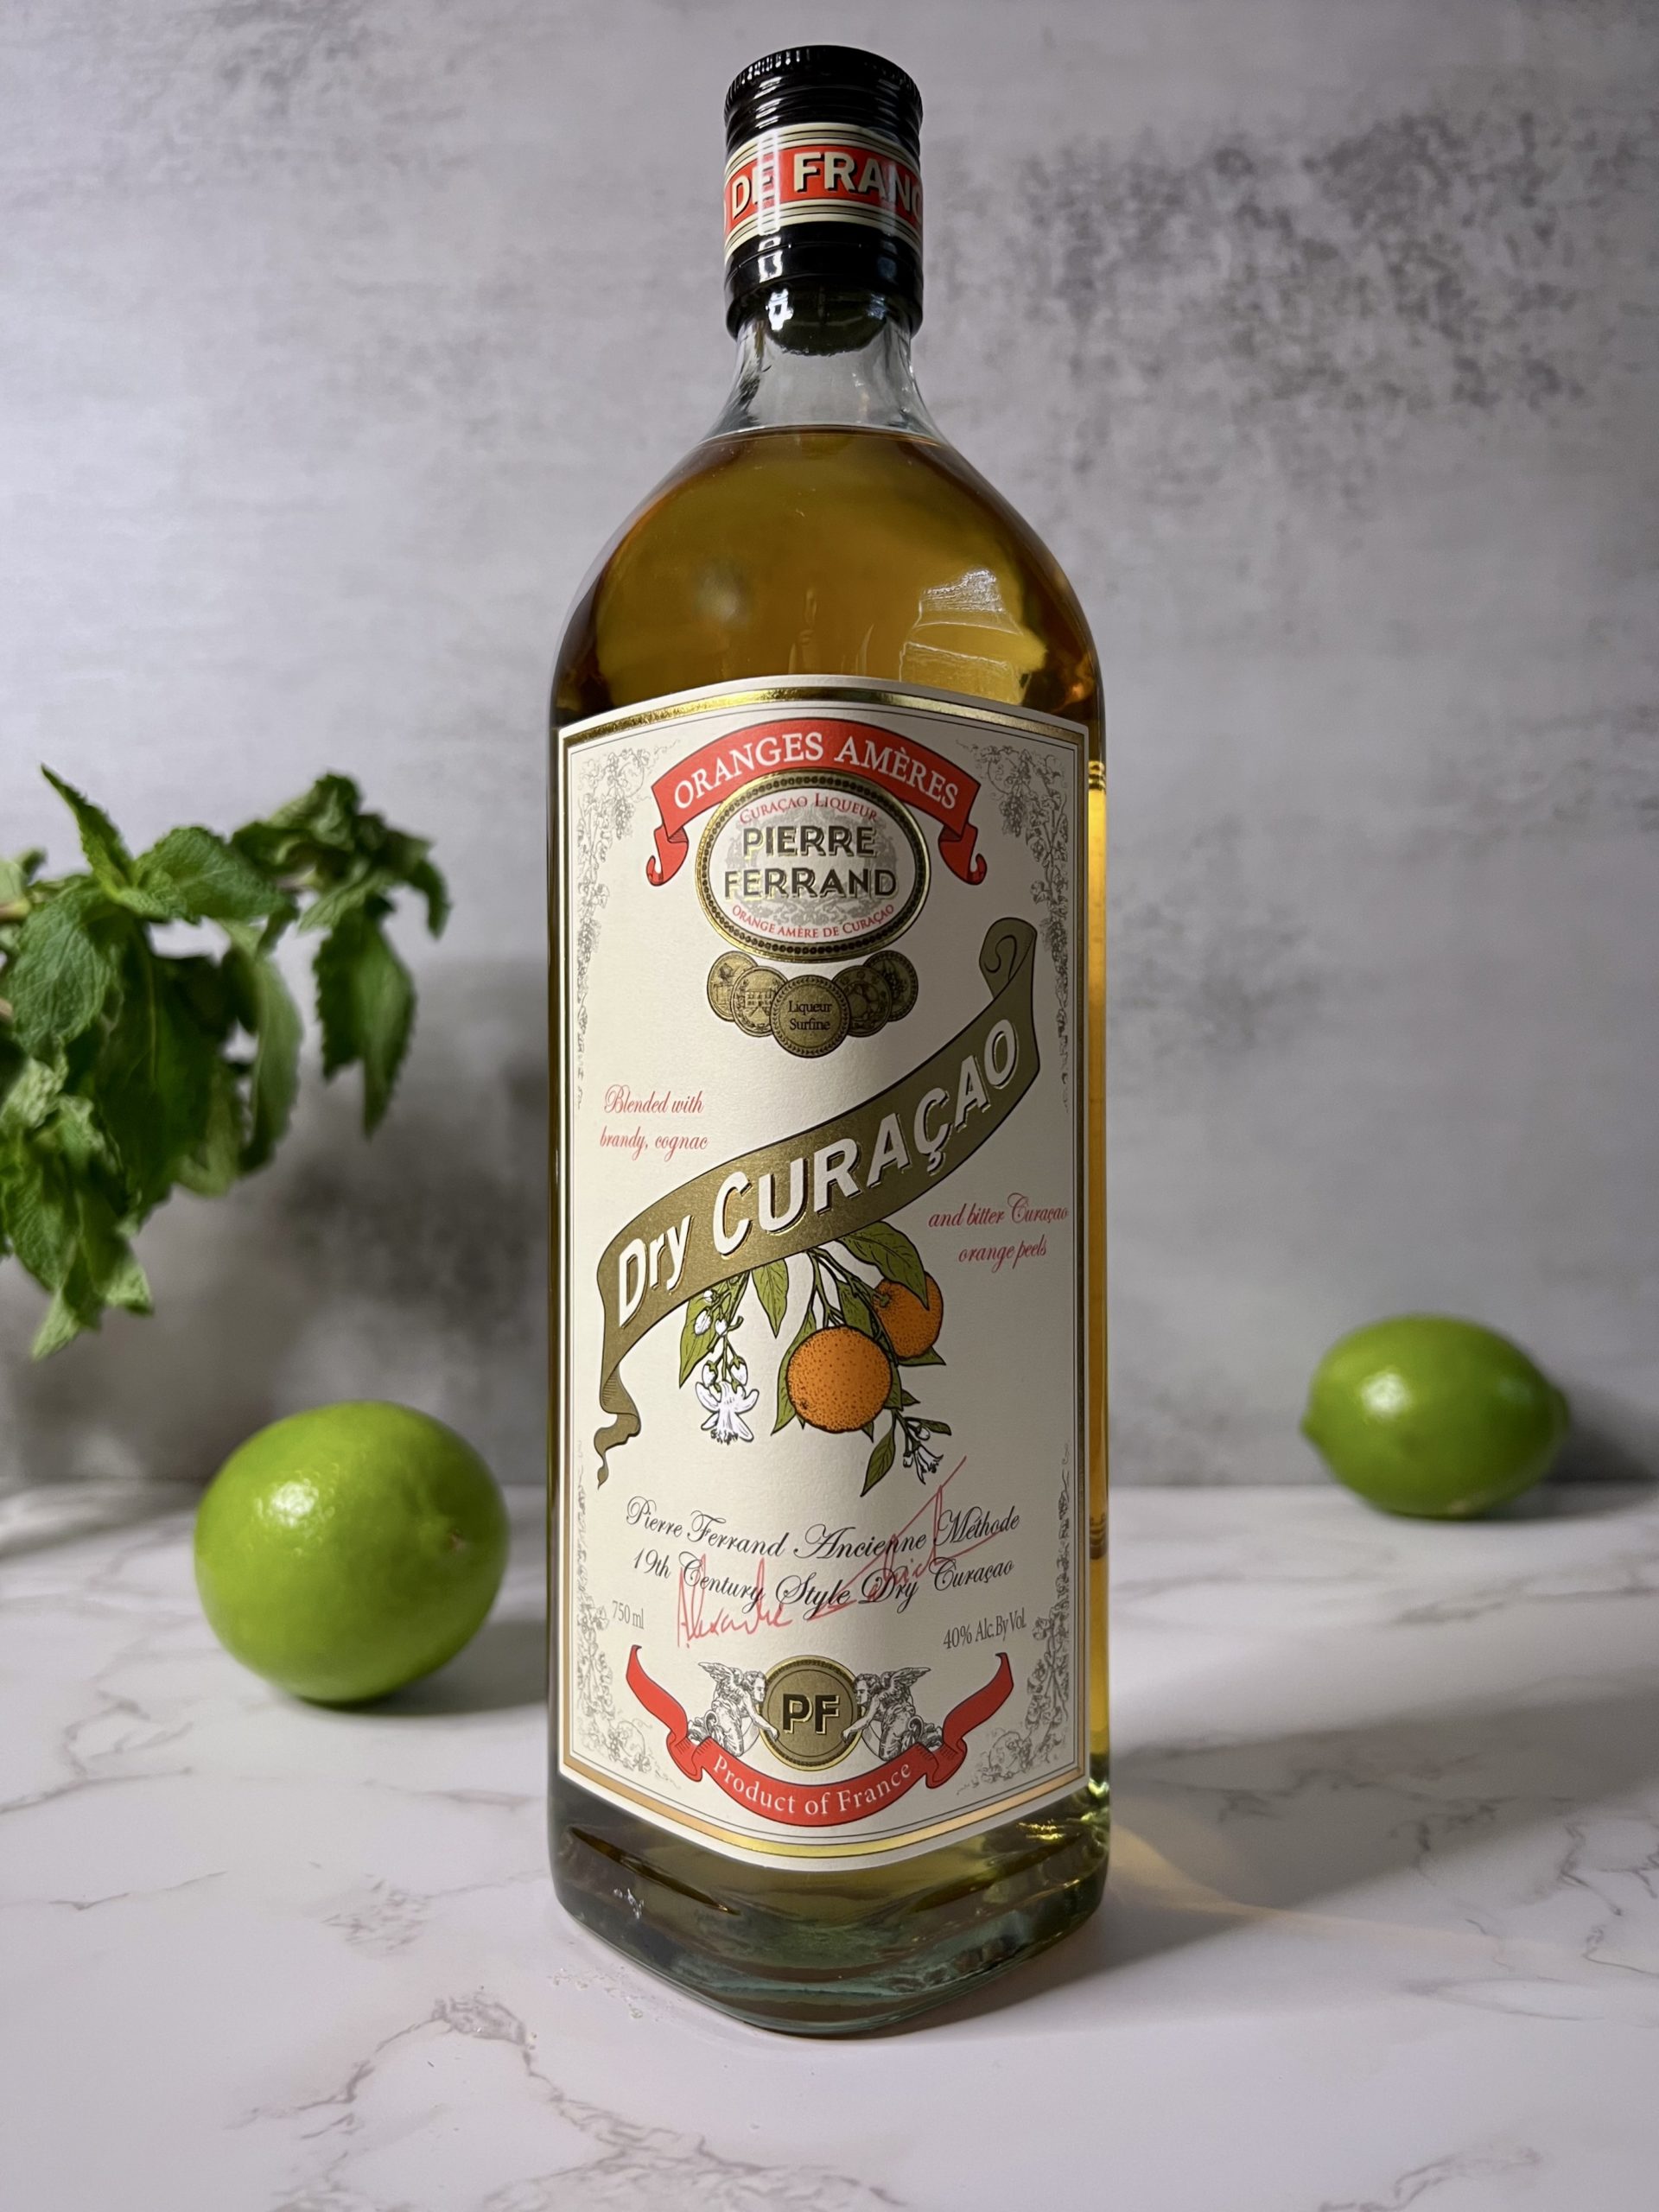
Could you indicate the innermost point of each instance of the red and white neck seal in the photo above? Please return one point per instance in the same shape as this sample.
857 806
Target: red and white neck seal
821 173
823 182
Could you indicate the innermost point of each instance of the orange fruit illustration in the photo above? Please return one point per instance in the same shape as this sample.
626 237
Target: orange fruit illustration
839 1379
911 1327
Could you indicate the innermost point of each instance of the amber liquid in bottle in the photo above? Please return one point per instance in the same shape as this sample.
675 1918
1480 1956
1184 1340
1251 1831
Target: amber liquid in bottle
826 529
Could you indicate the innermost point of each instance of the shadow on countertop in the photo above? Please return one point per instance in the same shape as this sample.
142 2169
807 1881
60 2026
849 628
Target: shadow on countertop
1215 1839
503 1669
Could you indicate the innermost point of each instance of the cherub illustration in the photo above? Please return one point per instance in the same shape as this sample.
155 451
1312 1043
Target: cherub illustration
888 1718
732 1720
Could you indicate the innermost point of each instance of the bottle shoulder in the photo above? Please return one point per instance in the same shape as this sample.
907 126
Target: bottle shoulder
826 550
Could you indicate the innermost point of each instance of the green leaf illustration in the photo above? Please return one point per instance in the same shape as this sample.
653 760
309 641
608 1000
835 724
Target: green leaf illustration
772 1280
883 1246
857 1309
880 1460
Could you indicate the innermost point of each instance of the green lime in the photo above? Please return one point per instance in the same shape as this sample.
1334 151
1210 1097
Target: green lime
1427 1416
345 1551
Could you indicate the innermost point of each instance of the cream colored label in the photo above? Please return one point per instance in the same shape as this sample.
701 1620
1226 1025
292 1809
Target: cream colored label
820 1361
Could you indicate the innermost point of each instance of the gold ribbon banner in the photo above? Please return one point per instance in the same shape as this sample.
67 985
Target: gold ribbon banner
826 1183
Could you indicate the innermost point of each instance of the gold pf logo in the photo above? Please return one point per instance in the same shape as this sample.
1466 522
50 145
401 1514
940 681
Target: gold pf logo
809 1708
811 867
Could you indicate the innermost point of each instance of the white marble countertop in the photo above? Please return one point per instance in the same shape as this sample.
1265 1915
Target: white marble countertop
1382 1929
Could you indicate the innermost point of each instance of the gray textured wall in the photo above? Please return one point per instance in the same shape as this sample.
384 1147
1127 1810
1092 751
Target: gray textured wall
1318 336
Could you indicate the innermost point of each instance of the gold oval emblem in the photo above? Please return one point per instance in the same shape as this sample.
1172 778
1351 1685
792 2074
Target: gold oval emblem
811 867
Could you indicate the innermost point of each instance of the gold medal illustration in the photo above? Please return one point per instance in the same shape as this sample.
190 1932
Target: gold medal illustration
752 995
722 976
809 1016
899 976
869 999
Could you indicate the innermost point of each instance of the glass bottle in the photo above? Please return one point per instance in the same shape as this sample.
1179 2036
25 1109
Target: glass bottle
825 564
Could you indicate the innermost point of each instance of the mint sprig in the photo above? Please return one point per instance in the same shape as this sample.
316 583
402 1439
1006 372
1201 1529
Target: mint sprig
126 1072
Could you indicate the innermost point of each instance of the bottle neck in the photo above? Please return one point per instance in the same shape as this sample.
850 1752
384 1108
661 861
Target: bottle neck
807 354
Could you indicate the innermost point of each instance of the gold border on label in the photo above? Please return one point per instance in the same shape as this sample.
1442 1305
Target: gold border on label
849 948
923 700
837 690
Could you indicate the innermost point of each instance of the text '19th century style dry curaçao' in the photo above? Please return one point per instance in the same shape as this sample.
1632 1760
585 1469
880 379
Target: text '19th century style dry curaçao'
829 1417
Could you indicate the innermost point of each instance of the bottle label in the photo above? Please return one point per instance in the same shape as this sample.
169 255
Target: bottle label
821 173
820 1354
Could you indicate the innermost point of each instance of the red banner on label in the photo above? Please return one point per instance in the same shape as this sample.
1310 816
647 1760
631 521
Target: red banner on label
923 778
820 1804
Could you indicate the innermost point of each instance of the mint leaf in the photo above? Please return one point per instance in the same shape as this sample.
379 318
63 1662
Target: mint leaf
195 876
13 1062
207 988
883 1246
37 1205
269 1014
63 968
370 886
365 1003
215 1161
157 1080
332 908
80 1135
120 1078
63 1227
327 813
424 878
107 855
16 876
62 1325
33 1094
323 823
771 1281
406 857
98 1270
